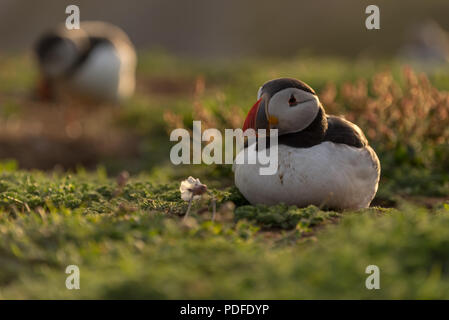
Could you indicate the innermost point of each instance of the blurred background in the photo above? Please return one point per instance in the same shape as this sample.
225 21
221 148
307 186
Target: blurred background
234 28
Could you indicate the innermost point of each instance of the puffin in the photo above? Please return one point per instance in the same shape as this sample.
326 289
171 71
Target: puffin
323 160
95 63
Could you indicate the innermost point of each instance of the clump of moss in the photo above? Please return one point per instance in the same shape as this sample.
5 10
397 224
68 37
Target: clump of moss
283 216
233 194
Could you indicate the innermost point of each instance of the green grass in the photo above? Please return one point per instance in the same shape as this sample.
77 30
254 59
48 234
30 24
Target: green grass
133 244
131 241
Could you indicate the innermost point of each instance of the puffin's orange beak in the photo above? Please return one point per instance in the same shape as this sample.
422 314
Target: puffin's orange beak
250 121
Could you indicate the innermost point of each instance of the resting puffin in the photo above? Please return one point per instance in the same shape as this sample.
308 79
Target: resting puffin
96 62
323 160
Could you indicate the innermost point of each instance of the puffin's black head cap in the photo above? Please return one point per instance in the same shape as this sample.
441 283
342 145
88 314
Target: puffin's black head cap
274 86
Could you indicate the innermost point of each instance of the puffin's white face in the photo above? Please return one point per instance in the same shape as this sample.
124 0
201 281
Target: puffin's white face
292 110
58 58
286 104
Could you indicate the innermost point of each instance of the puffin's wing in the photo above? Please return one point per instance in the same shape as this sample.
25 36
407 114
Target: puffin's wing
340 130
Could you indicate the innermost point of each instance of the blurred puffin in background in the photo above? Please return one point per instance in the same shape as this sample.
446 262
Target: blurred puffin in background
323 160
95 63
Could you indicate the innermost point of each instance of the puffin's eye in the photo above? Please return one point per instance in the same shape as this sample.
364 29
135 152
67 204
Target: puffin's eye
292 101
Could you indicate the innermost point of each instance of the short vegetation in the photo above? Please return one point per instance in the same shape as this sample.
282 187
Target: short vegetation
128 235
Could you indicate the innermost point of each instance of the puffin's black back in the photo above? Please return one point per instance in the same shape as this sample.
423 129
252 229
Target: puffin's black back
342 131
324 128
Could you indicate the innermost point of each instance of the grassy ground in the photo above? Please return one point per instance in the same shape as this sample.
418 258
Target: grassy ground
128 237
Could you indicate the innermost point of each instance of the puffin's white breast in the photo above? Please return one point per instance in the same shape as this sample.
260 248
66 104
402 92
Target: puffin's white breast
328 174
108 73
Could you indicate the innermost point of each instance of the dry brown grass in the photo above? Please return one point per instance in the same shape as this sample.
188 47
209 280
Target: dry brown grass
412 115
42 135
223 117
